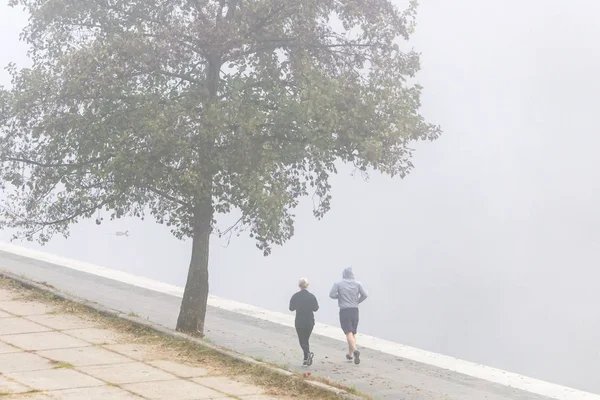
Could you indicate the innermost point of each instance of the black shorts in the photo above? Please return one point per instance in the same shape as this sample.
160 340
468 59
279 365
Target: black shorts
349 320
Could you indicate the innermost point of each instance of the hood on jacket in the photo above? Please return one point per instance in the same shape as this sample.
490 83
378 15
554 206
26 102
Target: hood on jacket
348 273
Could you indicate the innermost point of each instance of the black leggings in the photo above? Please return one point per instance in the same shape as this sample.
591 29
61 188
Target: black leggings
304 329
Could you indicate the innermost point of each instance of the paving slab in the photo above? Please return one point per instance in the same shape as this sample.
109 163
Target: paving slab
11 326
20 362
94 393
174 390
137 351
54 379
25 308
181 370
228 385
62 322
10 387
7 295
43 341
29 396
4 314
131 372
85 356
96 335
6 348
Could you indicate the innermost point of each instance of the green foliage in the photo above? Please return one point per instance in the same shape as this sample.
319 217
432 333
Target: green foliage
155 106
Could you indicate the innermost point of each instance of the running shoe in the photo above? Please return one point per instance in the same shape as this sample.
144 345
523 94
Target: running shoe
357 357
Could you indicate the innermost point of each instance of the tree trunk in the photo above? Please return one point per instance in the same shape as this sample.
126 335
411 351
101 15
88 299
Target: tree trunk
195 296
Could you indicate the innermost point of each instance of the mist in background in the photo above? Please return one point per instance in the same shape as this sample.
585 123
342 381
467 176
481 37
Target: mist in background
488 250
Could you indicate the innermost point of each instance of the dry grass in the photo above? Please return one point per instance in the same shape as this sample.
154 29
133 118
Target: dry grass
24 394
61 364
185 351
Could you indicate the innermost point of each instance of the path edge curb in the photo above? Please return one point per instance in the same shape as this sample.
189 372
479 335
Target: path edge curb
163 330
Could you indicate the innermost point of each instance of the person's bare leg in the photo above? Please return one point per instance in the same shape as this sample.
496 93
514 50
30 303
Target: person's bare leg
351 343
356 353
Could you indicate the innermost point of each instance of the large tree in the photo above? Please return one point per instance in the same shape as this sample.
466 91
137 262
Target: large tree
186 109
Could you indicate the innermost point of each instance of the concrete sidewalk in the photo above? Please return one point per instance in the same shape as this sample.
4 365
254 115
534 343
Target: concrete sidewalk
49 355
381 375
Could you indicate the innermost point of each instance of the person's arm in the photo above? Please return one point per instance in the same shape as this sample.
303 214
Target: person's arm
293 303
362 292
315 305
334 292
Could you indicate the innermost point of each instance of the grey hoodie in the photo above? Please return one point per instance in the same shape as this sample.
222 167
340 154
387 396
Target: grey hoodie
348 292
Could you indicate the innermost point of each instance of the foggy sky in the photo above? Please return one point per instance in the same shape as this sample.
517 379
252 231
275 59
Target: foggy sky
488 251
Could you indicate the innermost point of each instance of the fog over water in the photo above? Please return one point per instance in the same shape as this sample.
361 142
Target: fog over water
488 251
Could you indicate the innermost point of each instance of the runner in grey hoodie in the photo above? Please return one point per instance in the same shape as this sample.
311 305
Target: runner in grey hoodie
349 294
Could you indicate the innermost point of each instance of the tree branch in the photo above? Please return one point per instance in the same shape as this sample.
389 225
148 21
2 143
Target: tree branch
72 216
232 227
56 165
231 9
257 84
198 6
275 44
169 197
262 23
220 10
184 77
